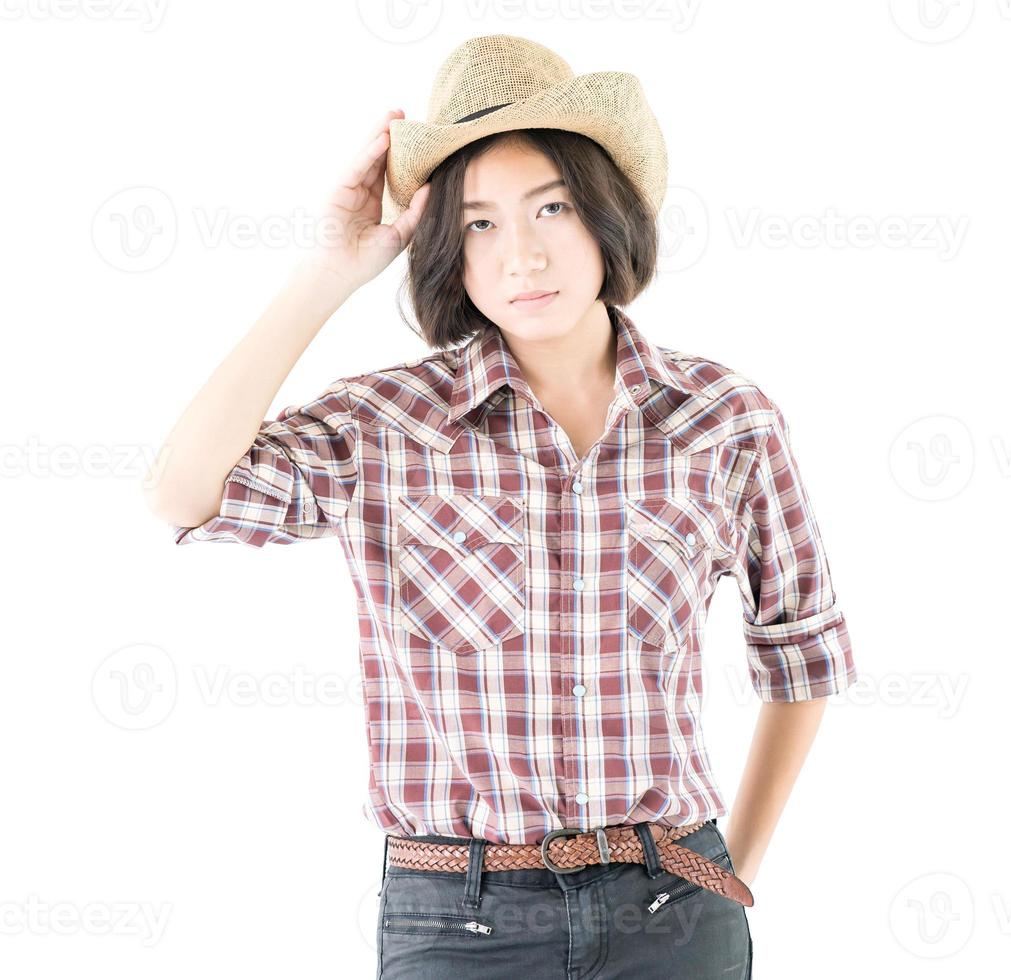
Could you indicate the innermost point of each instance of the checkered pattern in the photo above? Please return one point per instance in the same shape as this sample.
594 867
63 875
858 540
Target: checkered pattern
530 622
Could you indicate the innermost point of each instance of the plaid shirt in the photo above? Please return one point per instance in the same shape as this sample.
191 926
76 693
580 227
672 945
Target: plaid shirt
531 623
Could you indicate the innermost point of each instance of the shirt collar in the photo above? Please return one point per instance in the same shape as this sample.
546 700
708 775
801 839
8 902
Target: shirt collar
487 365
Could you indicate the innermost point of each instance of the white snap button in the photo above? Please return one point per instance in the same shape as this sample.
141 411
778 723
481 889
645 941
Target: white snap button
582 798
460 536
578 585
579 690
690 538
577 487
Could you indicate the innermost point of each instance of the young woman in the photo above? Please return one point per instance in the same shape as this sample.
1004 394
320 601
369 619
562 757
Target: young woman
535 518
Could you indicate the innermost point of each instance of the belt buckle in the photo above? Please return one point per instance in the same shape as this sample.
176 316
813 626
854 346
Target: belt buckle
605 851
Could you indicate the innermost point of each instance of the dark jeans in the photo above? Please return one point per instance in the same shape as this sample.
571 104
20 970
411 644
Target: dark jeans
536 924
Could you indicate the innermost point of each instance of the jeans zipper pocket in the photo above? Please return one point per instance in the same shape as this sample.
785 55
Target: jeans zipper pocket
684 887
423 922
678 890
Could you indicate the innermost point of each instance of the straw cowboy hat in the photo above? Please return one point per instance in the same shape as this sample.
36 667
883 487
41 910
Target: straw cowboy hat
499 82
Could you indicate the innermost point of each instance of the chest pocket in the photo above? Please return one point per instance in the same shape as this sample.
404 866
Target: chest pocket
673 545
461 569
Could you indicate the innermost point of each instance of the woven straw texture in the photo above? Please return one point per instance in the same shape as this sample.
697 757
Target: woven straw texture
483 72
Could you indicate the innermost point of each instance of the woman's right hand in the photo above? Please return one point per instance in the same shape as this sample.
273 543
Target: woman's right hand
351 244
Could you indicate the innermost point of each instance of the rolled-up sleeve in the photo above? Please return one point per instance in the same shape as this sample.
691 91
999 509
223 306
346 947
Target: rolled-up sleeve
295 481
798 645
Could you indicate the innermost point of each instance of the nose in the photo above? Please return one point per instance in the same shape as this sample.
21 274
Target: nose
522 251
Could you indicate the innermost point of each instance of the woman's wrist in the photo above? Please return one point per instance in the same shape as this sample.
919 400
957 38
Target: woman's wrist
745 854
745 867
328 289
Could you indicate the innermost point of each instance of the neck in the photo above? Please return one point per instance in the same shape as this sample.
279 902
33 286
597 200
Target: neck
583 358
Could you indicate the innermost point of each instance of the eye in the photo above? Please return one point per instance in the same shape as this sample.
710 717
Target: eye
554 204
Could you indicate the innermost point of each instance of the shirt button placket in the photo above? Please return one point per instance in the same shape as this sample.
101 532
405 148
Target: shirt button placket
570 510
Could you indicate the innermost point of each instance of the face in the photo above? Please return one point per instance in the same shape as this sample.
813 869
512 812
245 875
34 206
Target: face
522 237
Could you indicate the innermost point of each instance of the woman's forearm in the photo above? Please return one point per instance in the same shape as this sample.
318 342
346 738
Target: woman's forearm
220 422
783 735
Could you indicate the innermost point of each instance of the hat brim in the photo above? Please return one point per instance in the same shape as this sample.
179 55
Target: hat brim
608 107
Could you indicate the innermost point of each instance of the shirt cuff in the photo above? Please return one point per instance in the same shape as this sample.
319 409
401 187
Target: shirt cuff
253 511
800 660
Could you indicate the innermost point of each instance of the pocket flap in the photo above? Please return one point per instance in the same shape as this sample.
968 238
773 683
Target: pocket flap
690 523
459 522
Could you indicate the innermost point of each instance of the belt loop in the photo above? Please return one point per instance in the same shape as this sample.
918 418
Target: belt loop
475 863
386 845
654 867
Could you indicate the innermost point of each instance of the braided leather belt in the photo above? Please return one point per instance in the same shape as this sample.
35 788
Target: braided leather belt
567 850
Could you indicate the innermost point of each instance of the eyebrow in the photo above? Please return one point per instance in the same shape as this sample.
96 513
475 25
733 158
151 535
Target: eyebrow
533 192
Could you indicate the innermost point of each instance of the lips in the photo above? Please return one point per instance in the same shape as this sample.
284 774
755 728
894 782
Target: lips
536 295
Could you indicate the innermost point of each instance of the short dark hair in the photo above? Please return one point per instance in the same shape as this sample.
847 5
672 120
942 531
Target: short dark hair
606 201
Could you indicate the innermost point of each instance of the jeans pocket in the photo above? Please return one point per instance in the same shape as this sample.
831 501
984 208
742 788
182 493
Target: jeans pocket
434 924
726 850
674 889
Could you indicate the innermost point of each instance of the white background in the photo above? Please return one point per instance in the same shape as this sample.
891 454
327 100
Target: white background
836 228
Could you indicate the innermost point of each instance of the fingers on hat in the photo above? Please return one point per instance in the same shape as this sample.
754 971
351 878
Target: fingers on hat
364 162
384 123
385 118
405 224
